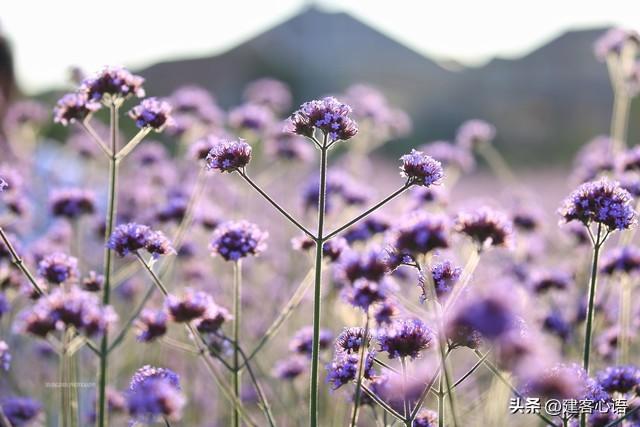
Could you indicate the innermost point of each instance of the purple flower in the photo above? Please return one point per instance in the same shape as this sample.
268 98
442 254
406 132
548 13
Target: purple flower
328 115
344 368
287 146
72 203
339 184
421 233
334 248
112 84
269 92
152 113
302 341
405 338
486 227
58 268
594 158
371 265
544 280
562 381
5 356
229 156
602 202
252 117
213 319
619 379
613 42
131 237
556 324
93 282
445 276
73 107
421 169
20 411
363 293
621 260
234 240
350 340
290 368
366 229
189 306
426 418
385 312
151 324
491 314
474 132
154 393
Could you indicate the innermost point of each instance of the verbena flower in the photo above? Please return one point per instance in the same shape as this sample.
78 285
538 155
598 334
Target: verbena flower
72 107
328 115
234 240
72 203
367 228
544 280
421 169
5 356
58 268
288 147
463 335
200 149
130 238
339 185
426 418
151 324
302 341
619 379
25 113
188 306
602 202
474 132
213 318
229 156
613 42
333 249
21 411
405 338
154 393
152 113
290 368
252 117
421 233
556 324
363 293
113 84
385 312
344 368
485 226
594 158
269 92
562 381
350 339
445 276
621 260
491 314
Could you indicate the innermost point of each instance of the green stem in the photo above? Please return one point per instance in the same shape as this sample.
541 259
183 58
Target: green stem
106 296
317 294
405 397
19 262
363 352
592 297
237 311
440 402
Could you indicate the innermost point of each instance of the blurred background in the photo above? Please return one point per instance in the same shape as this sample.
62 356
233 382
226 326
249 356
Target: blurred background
529 70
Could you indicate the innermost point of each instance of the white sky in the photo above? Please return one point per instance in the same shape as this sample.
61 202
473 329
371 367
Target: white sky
50 36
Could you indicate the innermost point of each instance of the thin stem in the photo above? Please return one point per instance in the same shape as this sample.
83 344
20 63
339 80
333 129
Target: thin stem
467 273
384 405
154 276
237 307
261 395
428 388
19 262
276 205
363 351
190 210
497 163
592 298
92 133
470 371
405 397
133 143
368 211
315 353
106 296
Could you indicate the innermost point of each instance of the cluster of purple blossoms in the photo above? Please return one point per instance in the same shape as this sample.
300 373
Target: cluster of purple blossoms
72 203
21 411
602 202
290 368
63 309
5 356
344 368
202 146
594 158
269 92
152 113
328 115
491 314
619 379
58 268
613 42
385 312
289 147
405 338
367 228
545 280
486 226
151 324
93 282
421 233
562 381
474 132
372 265
174 209
363 293
450 155
130 238
426 418
154 393
302 341
25 113
556 324
624 259
350 340
213 318
421 169
74 106
445 276
229 156
235 240
113 83
190 305
334 248
253 117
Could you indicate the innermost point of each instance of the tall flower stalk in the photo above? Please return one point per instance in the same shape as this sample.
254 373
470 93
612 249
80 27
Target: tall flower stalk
237 309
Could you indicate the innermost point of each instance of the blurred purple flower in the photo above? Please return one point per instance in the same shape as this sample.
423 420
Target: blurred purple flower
302 341
269 92
624 259
151 324
72 203
234 240
152 113
72 107
20 411
252 117
421 233
58 268
474 132
613 41
154 393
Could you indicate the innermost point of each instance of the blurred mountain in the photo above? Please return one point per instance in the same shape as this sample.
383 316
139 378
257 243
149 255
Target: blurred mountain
544 104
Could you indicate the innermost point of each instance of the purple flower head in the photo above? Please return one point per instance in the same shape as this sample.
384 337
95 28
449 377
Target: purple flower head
339 185
269 92
344 368
491 314
58 268
25 113
302 243
624 260
253 117
151 324
333 249
5 356
603 202
302 341
158 244
72 203
328 115
287 146
174 209
371 108
542 281
445 276
234 240
594 158
421 233
421 169
229 156
152 113
385 312
189 306
556 324
112 84
405 338
213 319
450 155
486 226
426 418
474 132
371 265
73 107
154 393
290 368
367 228
463 335
562 381
200 149
613 42
93 282
350 340
619 379
363 293
20 411
191 99
132 237
526 219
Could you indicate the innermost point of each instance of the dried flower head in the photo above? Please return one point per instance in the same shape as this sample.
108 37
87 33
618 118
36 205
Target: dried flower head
72 107
229 156
421 169
153 114
328 115
405 338
486 227
234 240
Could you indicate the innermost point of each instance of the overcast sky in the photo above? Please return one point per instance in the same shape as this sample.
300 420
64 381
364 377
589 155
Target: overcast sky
50 36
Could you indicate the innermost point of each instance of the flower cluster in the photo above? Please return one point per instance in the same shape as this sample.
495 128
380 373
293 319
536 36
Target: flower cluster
486 226
58 268
613 42
302 341
155 393
74 106
235 240
328 115
151 324
474 132
421 169
112 84
153 114
72 203
421 233
229 156
445 275
405 338
624 259
619 379
269 92
344 368
131 238
253 117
